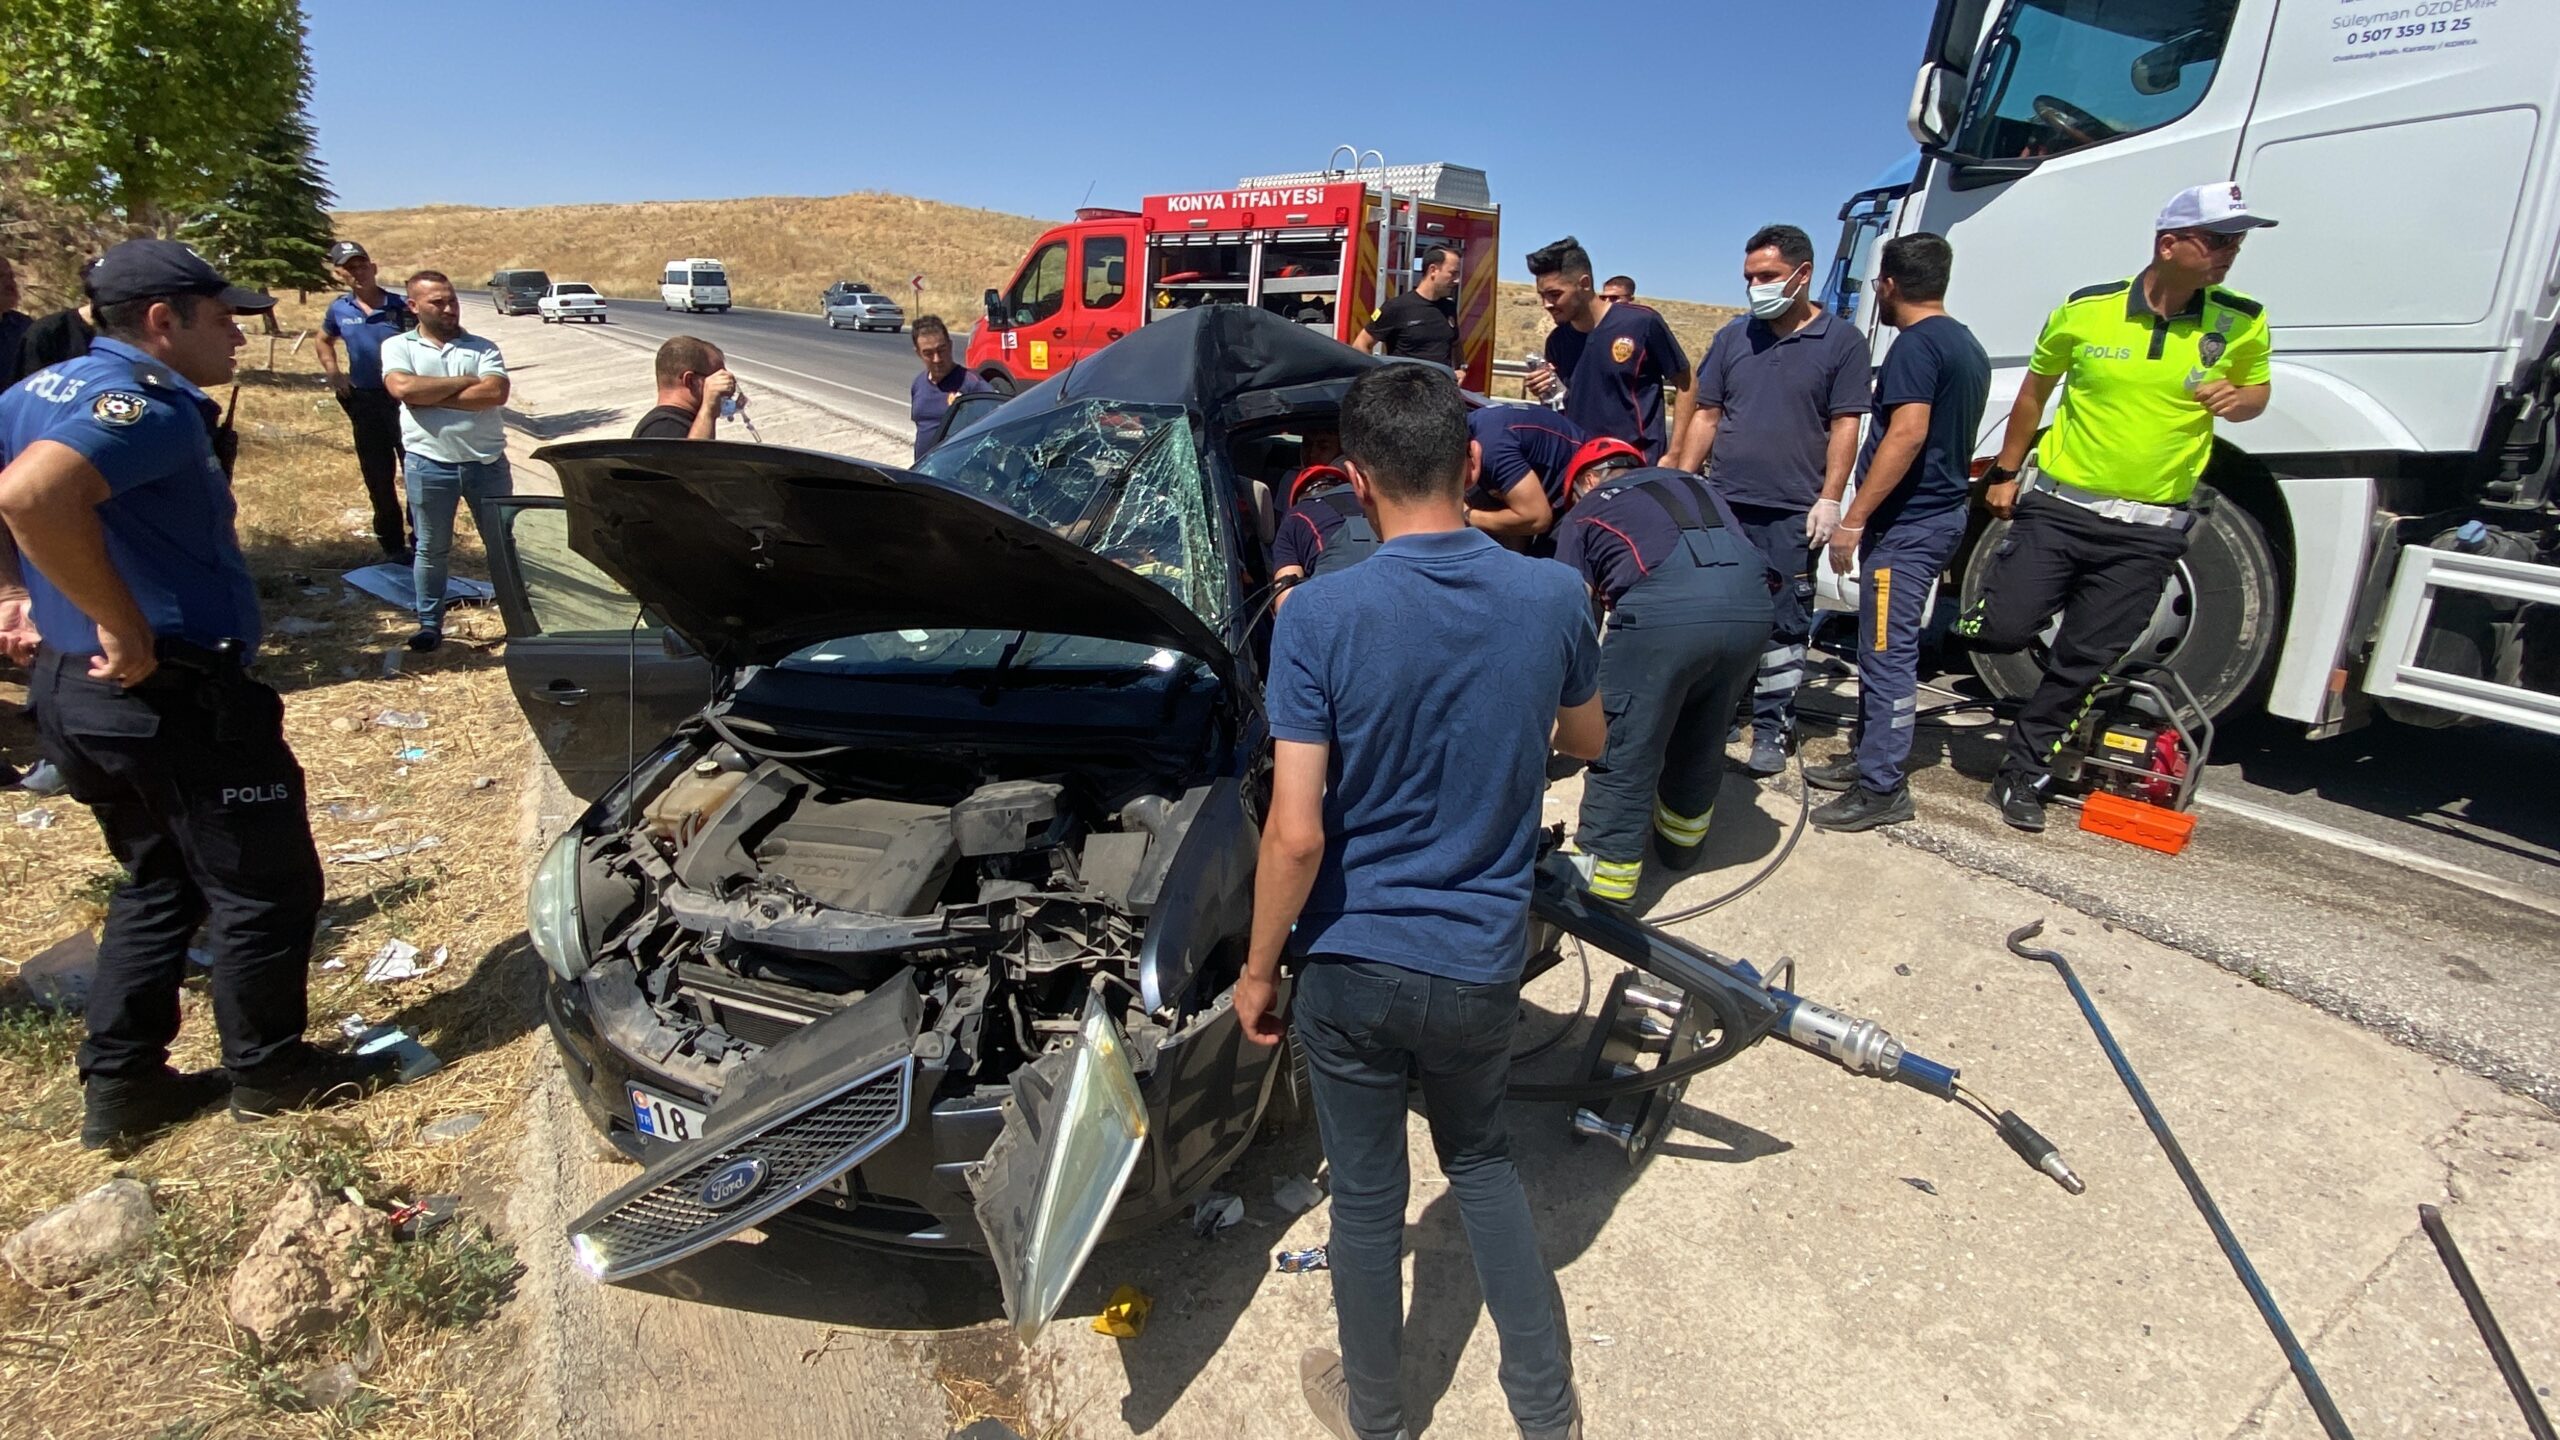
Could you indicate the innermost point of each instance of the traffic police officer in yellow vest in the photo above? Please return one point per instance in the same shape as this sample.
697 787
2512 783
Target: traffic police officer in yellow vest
2108 507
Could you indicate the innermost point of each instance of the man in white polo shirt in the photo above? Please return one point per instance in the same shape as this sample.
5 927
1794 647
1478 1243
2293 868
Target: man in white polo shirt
450 386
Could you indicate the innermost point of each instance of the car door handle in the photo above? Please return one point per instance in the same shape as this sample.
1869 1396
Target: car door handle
561 692
1058 334
1112 333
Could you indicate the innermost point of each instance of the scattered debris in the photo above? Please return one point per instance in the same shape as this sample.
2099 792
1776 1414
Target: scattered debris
72 1242
301 1275
1604 1341
401 719
1901 969
1125 1317
392 582
58 977
299 624
411 753
352 814
416 1060
36 819
1299 1262
383 852
1296 1194
353 1026
421 1218
484 782
398 960
1923 1186
1216 1211
330 1387
333 963
453 1127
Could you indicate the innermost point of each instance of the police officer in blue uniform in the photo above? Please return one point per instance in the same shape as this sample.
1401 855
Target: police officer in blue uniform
1689 599
147 619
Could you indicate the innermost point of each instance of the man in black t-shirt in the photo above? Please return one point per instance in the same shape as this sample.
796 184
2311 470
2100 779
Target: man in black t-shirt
1421 323
693 380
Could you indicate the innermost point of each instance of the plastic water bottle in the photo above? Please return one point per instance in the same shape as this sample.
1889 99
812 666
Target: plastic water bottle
1555 397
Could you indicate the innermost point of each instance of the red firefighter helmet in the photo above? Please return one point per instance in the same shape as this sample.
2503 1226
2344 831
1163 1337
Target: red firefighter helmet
1606 447
1315 477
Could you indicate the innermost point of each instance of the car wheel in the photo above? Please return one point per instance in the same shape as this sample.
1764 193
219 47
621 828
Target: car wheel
2215 625
1002 383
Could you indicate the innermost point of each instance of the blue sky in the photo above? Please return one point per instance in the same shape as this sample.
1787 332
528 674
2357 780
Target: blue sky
1661 142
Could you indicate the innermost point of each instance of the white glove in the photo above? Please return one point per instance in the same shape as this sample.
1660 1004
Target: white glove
1820 521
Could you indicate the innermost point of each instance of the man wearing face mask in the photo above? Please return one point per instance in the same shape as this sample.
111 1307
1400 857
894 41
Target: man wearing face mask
693 381
2113 497
1775 425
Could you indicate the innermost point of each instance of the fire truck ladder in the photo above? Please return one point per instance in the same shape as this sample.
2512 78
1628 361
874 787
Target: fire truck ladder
1398 218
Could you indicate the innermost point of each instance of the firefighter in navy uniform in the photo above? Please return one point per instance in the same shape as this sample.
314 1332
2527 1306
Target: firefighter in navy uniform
1689 600
2150 364
146 617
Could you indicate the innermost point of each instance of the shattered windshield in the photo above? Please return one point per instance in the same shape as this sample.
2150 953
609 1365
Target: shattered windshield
1121 480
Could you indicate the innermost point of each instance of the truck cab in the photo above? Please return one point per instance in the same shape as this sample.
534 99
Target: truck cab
2385 532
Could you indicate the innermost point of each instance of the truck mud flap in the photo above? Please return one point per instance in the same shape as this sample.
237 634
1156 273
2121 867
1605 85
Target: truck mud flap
795 1117
1073 1131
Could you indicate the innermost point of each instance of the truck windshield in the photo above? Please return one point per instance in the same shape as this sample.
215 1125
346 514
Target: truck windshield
1123 481
2062 75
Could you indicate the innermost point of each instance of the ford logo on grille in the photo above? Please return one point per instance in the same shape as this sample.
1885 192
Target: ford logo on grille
732 1183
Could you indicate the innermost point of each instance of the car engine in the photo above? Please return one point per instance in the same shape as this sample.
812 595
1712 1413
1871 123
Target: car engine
752 896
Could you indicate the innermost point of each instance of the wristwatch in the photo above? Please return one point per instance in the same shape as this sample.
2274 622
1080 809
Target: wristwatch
1998 474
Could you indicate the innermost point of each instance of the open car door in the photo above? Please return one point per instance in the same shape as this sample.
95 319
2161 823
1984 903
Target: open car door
600 680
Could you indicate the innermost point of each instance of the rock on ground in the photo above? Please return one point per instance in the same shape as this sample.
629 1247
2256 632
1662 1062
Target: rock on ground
72 1242
301 1274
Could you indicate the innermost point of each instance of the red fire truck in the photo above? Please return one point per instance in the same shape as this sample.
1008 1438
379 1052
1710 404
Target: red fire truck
1308 246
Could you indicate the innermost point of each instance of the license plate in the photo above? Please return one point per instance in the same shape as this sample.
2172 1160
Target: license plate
660 1118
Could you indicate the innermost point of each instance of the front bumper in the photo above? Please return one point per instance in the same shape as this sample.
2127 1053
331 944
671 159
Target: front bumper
1205 1097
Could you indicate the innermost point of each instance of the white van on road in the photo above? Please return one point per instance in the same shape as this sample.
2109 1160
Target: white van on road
694 285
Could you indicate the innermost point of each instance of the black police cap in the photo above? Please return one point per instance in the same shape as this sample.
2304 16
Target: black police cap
140 268
346 250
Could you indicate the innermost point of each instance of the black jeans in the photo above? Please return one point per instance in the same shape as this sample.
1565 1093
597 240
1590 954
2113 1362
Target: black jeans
1366 1026
1672 671
202 802
1779 535
375 418
2105 576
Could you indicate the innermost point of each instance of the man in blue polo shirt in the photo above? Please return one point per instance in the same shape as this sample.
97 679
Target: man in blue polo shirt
1523 480
357 323
1395 865
1612 356
146 617
1777 404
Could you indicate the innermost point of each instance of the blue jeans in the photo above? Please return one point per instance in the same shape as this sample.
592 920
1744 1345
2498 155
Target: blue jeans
436 489
1898 566
1366 1026
1779 536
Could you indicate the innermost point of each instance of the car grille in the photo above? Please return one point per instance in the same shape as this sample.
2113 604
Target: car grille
805 1149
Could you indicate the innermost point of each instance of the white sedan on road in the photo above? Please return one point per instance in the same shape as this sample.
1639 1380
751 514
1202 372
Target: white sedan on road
571 300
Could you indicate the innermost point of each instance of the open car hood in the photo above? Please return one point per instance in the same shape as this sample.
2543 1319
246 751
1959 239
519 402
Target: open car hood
751 552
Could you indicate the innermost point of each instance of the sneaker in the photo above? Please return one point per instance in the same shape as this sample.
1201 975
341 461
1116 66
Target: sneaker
2021 800
307 1077
1329 1394
1768 757
426 640
123 1111
1840 774
1865 809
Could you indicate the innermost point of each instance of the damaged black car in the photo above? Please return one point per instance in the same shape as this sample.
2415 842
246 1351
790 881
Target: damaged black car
921 922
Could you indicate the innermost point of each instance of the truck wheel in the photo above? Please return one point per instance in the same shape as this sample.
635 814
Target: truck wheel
1001 383
2215 626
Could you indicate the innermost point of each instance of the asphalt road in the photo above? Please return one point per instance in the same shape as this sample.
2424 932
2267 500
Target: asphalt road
864 374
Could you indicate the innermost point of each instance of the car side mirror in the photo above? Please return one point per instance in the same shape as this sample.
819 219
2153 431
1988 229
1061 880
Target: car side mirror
997 315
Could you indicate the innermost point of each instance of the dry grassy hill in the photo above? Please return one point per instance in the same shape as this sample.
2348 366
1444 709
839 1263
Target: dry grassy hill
782 250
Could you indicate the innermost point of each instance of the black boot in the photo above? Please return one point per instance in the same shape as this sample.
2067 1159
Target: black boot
306 1077
1839 774
2021 800
122 1111
1865 809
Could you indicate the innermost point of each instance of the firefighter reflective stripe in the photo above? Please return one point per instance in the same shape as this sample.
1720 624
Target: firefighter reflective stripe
1882 579
1905 711
1687 830
1781 666
1615 879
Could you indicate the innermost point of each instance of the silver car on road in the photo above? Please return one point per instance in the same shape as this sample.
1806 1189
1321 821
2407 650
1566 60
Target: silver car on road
867 310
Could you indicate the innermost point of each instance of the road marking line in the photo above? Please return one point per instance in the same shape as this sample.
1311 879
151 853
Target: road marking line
2406 859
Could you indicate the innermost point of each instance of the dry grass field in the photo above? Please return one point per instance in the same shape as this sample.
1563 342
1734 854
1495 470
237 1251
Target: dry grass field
146 1350
781 251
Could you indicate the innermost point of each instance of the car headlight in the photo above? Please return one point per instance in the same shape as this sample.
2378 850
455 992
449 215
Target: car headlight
559 930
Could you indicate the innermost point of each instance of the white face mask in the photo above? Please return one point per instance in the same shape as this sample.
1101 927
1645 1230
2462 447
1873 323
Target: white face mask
1770 301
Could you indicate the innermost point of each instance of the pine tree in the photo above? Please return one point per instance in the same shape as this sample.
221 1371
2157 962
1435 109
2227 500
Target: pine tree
272 227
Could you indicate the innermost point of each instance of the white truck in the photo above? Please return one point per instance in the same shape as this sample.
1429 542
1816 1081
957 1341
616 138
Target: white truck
2387 530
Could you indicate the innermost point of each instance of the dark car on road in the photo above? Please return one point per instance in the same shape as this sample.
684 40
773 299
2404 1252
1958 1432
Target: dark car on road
518 292
921 922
